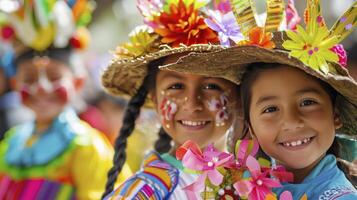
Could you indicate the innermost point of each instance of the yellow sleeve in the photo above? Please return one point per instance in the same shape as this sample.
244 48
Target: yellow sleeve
90 163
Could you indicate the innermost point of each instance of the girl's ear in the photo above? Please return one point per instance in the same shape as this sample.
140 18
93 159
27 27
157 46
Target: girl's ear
337 119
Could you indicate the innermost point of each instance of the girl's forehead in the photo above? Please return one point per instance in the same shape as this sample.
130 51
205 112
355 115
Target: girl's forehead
285 80
284 74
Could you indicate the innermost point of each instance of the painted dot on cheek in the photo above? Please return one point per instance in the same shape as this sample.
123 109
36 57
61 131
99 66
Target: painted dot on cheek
167 125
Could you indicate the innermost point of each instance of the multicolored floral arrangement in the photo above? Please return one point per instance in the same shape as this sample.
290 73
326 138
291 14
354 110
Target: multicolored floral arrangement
235 23
41 24
223 175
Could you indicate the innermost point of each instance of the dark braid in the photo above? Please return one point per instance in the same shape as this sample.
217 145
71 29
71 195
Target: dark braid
163 143
131 113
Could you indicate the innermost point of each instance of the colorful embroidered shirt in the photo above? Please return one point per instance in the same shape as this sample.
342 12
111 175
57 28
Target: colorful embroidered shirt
161 177
70 160
325 182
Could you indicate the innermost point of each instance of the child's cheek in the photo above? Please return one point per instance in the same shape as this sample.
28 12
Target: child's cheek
62 90
220 107
62 93
168 109
24 94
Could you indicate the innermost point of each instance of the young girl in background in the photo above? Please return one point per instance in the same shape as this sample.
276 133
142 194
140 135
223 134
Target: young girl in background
56 155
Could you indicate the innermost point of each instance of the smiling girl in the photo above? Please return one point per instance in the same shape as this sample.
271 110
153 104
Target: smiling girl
190 107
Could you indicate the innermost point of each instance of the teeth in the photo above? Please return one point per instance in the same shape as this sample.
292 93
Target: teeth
192 123
296 143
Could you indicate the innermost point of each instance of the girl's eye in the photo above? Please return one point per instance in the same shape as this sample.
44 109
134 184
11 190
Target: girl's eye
176 86
270 109
212 86
307 102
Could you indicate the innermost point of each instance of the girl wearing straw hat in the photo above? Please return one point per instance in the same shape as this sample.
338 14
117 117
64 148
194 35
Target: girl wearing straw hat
190 107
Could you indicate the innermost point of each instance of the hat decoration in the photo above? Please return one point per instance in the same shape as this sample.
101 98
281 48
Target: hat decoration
172 23
49 23
175 23
316 45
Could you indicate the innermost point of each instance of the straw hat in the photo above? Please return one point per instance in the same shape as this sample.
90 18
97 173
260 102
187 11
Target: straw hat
314 50
171 27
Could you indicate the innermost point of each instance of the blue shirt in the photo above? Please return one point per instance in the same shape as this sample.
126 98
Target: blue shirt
326 181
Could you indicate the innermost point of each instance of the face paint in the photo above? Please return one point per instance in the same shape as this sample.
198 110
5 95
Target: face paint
168 109
219 106
57 87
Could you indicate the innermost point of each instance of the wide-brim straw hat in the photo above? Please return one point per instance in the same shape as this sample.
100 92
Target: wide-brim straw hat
123 77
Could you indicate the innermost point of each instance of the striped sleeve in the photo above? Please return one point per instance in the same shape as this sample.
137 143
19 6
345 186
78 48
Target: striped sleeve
136 189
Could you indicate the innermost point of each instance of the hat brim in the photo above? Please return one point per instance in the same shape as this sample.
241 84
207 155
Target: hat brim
231 64
123 77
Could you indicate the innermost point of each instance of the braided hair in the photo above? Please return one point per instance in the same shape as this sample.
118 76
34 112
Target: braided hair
163 143
131 113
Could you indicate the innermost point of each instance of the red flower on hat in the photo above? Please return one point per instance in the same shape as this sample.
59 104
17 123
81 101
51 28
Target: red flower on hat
183 24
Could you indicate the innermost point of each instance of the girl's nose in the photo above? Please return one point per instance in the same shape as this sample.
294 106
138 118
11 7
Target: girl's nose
292 120
193 102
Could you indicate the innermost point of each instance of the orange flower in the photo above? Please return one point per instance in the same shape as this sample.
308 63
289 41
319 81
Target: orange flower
183 24
258 37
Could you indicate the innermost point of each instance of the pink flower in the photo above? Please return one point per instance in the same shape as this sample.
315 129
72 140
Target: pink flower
341 52
207 163
292 16
245 148
281 174
259 185
224 6
149 9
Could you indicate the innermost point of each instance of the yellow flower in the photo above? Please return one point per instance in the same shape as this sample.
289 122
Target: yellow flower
313 48
142 41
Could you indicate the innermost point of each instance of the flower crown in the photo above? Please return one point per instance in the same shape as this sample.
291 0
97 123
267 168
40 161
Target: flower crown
174 23
43 24
222 175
